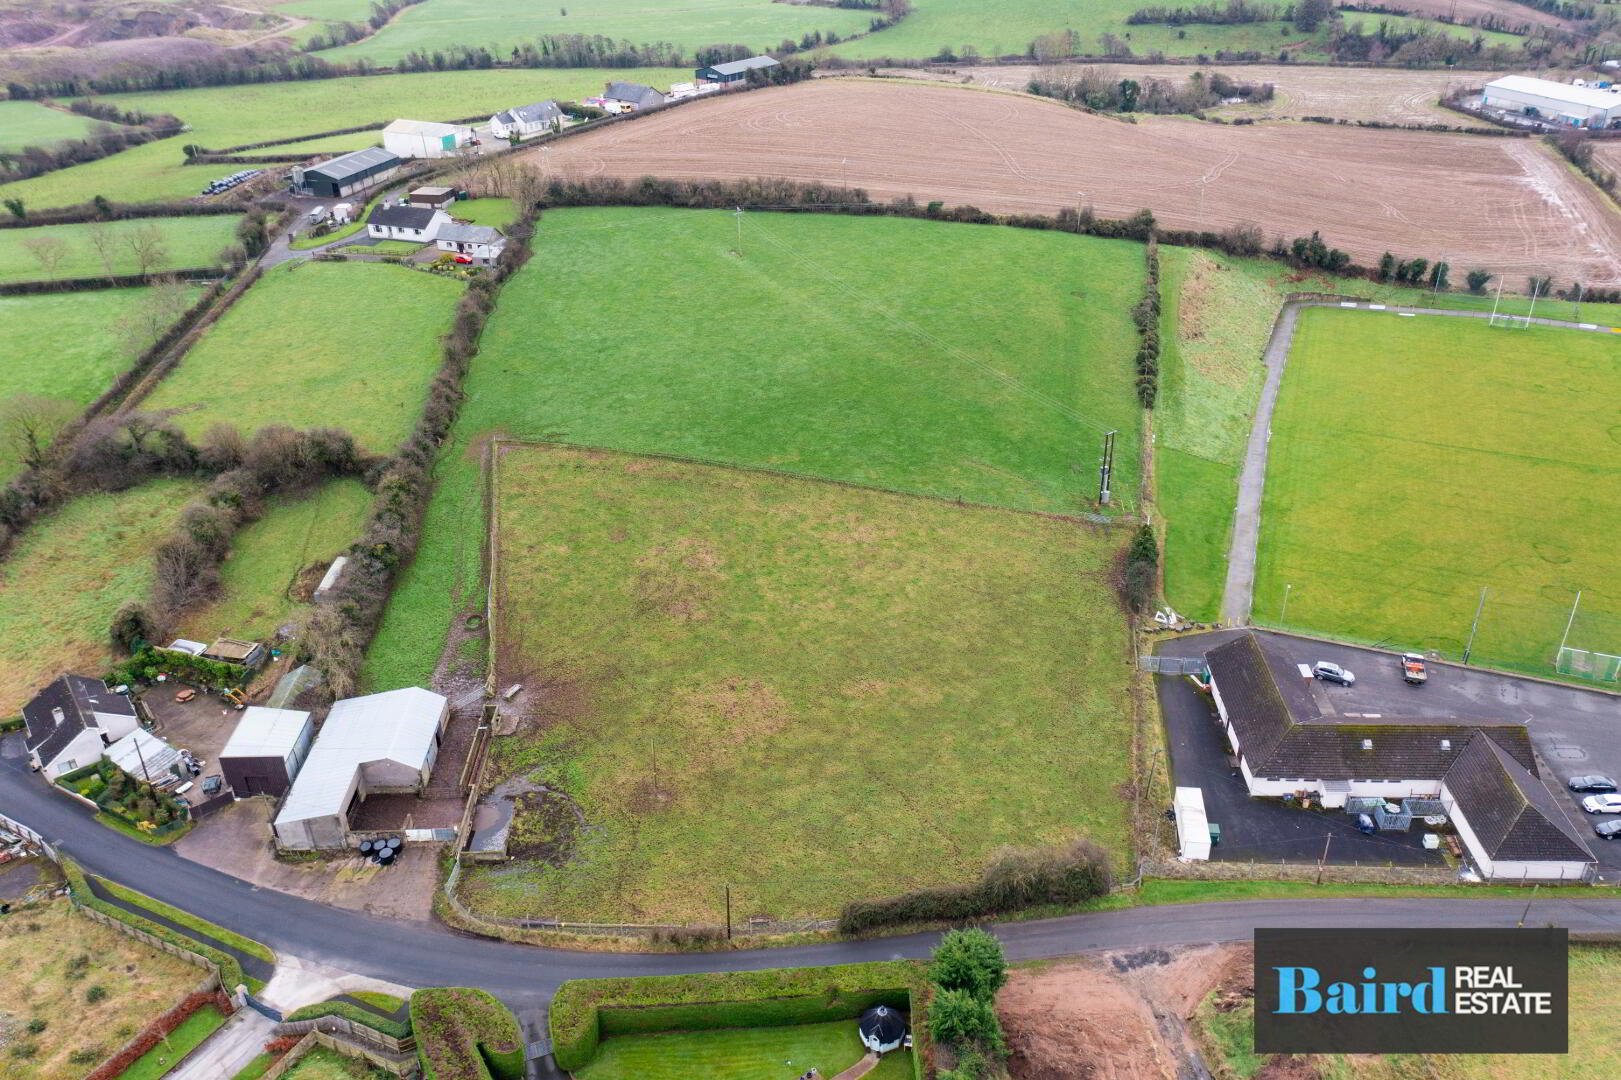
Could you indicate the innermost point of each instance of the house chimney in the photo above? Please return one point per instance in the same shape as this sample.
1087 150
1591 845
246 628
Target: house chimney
57 715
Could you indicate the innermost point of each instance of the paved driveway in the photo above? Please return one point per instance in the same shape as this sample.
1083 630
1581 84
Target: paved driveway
1573 730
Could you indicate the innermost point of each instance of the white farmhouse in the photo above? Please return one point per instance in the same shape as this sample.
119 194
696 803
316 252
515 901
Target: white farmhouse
72 722
478 243
1561 103
425 139
418 224
526 120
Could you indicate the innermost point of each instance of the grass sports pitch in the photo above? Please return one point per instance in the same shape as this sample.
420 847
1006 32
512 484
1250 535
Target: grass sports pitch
808 691
1416 460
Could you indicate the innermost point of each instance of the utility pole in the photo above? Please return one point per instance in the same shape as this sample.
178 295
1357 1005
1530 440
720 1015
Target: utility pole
1578 301
1106 468
739 215
1329 839
1527 912
1469 648
728 912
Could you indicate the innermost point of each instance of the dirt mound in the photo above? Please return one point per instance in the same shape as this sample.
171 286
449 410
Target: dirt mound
1080 1020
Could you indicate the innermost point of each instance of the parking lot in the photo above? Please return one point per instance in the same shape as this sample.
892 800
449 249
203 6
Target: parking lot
1574 731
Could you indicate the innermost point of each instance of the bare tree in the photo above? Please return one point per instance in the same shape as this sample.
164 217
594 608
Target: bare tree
146 243
105 241
49 250
166 300
29 422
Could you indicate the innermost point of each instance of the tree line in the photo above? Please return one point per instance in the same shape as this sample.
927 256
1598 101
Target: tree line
1236 12
346 33
1095 88
118 131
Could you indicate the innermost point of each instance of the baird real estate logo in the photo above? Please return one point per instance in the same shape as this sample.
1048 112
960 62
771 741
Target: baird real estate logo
1411 991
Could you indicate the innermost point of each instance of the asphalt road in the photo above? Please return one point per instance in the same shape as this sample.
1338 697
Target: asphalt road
423 954
1239 592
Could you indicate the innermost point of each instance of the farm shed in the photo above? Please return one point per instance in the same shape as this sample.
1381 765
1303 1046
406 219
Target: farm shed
534 119
346 174
735 70
145 756
481 243
425 139
72 721
416 223
434 198
266 751
628 96
1576 106
248 654
378 744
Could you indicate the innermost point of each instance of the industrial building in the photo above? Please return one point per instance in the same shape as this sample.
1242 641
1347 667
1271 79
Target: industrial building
1561 103
735 70
425 139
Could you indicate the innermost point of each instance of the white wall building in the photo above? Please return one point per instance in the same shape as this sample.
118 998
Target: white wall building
1562 103
418 224
72 722
425 138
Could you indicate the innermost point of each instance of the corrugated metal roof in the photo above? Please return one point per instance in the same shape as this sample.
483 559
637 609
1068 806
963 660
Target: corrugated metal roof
422 127
266 732
734 67
397 725
143 755
1590 96
341 168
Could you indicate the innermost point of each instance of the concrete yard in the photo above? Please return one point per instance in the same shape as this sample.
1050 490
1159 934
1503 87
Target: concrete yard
1574 730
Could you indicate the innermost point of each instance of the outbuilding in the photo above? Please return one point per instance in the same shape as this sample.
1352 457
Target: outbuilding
345 175
734 71
425 138
629 96
378 744
434 197
526 120
247 654
882 1029
266 751
419 224
1561 103
146 757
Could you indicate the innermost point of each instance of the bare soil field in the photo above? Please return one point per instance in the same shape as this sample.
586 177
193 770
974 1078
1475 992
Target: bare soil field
1607 153
1393 95
1514 15
1505 205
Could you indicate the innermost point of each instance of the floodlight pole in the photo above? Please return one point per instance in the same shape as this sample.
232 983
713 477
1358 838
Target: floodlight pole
1568 623
739 215
1469 648
1283 616
1106 468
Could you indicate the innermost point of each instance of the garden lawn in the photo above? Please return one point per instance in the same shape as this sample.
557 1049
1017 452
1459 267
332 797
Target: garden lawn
498 213
687 24
62 350
324 1064
808 691
268 556
187 242
67 576
863 349
1416 460
773 1053
346 345
232 115
28 123
48 973
1595 1039
163 1057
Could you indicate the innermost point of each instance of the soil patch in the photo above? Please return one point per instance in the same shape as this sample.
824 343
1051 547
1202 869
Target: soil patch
545 828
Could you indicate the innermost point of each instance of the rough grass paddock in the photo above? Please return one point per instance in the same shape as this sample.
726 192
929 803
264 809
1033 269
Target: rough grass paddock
346 345
28 123
1414 461
323 1064
68 575
807 691
277 558
1508 205
45 979
231 115
187 242
846 348
65 348
740 1054
688 24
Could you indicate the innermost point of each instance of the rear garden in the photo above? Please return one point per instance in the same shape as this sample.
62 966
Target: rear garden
738 678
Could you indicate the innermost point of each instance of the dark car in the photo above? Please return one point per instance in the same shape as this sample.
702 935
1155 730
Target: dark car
1608 830
1596 784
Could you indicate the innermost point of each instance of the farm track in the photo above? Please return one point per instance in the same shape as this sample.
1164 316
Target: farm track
1504 205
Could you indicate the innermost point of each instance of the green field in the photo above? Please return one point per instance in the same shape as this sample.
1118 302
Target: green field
807 691
347 345
163 1057
232 115
186 242
1416 460
67 576
1595 1040
61 350
779 1053
869 330
496 212
267 557
688 24
28 123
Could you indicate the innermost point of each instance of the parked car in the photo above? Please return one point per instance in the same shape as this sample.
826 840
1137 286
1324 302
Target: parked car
1595 784
1608 830
1333 673
1602 804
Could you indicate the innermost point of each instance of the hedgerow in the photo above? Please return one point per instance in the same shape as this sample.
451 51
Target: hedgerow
466 1034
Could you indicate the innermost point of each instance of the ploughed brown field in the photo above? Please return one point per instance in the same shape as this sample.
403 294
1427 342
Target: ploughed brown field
1391 95
1503 204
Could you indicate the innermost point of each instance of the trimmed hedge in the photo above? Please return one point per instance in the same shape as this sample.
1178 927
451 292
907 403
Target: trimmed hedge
16 723
115 211
102 281
585 1010
466 1034
399 1029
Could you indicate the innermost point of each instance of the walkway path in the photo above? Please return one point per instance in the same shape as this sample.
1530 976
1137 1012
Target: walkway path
229 1050
1239 592
867 1064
